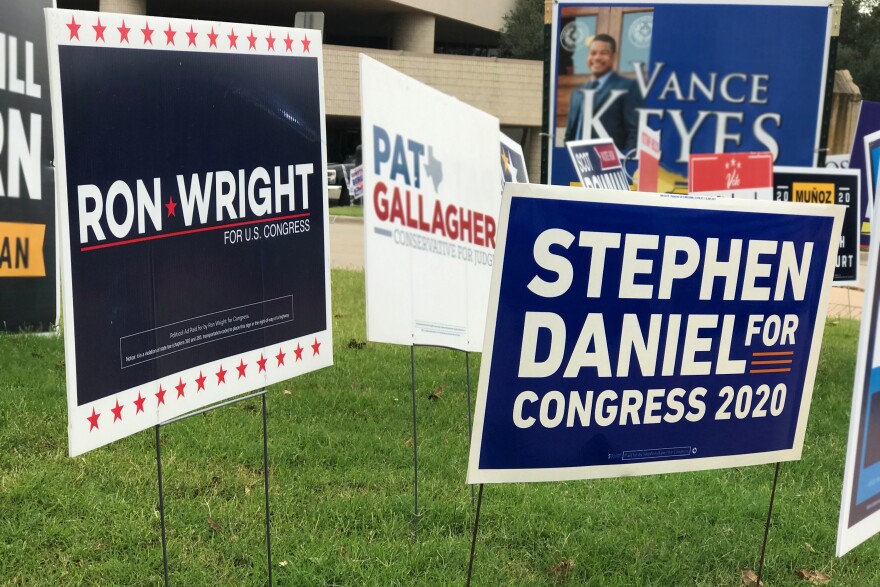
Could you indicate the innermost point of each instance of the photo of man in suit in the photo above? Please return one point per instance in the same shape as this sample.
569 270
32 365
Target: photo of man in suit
604 107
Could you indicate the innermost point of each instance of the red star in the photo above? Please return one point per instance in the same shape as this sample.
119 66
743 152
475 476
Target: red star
200 381
233 39
171 205
139 404
280 356
74 34
117 411
306 42
298 351
288 43
169 35
179 387
161 395
270 41
252 40
212 37
316 348
99 31
93 420
191 34
262 363
123 32
148 34
221 375
241 367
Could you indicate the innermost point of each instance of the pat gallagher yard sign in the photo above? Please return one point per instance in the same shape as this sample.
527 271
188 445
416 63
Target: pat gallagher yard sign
191 184
635 333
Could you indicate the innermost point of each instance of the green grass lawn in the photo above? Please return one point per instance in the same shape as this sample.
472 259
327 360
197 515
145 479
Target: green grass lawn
341 489
353 211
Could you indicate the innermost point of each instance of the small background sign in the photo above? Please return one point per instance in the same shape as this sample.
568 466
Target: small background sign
649 160
733 175
598 165
827 186
513 164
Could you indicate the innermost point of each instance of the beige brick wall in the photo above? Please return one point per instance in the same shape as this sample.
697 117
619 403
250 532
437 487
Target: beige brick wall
509 89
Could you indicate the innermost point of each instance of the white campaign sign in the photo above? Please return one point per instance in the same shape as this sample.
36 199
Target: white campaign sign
431 202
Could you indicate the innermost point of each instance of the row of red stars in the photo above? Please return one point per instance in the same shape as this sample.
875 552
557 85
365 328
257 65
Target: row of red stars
200 382
147 32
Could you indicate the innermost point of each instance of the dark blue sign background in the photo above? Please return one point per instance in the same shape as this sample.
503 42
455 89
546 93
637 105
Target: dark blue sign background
138 114
504 446
786 43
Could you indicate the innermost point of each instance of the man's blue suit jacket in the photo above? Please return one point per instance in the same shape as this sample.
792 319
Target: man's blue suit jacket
620 120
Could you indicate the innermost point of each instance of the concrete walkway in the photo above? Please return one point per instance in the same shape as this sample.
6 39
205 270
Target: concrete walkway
347 252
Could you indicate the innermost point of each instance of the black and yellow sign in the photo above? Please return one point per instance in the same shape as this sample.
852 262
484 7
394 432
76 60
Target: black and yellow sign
813 193
21 250
28 273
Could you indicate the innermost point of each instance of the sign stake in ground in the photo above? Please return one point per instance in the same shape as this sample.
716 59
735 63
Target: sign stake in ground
415 437
470 570
767 525
159 476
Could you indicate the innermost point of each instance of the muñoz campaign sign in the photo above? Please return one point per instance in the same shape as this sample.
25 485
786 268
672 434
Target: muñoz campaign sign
431 200
711 76
633 333
28 272
190 161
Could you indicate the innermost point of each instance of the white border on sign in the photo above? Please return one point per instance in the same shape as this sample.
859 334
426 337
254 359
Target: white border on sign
869 170
832 171
554 43
193 37
591 142
848 537
477 475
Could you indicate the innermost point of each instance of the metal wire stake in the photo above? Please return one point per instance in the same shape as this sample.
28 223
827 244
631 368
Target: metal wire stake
467 369
767 525
161 505
412 365
474 537
266 485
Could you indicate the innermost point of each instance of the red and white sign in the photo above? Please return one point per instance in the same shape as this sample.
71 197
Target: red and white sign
732 175
608 157
649 160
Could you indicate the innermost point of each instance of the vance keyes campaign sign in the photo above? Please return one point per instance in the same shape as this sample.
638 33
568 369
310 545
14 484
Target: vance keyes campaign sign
431 200
712 76
194 238
634 333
